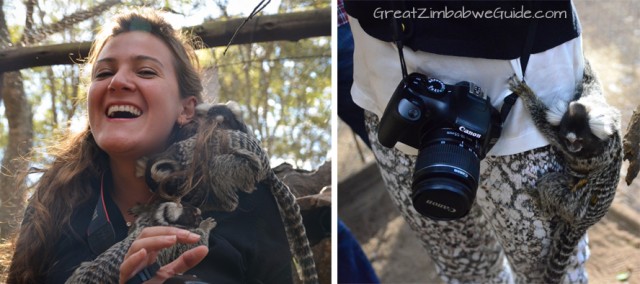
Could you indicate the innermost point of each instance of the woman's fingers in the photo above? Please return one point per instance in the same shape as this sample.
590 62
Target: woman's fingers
155 243
157 238
132 265
144 251
186 261
182 235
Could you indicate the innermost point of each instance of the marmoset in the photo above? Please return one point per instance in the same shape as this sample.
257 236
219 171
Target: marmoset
217 157
587 133
106 267
166 172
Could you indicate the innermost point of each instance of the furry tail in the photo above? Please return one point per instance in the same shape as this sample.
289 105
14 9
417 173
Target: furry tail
287 205
294 228
566 240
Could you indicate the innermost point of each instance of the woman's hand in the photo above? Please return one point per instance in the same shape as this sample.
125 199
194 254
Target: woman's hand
144 251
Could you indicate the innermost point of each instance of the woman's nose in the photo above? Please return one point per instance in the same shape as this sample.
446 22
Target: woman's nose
121 82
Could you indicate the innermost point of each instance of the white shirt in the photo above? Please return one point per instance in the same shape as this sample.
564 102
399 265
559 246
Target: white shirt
551 74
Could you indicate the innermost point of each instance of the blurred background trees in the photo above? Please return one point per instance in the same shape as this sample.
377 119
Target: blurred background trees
284 87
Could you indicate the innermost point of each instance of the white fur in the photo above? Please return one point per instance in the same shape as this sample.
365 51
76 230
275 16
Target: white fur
158 175
556 112
174 210
203 108
601 123
235 108
141 166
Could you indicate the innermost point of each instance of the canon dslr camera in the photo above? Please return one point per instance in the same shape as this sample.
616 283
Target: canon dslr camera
453 127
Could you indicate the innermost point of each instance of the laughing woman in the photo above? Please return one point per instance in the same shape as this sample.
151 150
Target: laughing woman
144 85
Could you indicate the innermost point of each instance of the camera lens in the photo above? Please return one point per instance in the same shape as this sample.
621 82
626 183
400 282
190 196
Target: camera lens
446 175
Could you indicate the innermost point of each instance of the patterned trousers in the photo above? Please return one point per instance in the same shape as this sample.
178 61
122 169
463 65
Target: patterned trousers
504 239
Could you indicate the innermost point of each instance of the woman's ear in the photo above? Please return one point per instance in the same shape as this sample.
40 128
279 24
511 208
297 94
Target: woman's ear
188 110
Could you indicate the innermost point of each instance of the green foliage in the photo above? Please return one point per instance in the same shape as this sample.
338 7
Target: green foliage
286 87
15 32
56 98
300 5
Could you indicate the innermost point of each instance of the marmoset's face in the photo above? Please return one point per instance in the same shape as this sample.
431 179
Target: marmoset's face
134 99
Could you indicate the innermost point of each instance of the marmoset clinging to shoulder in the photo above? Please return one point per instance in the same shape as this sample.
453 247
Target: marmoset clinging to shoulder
587 133
214 159
166 173
106 267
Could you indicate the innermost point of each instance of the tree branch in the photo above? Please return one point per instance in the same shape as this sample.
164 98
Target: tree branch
295 58
41 33
290 27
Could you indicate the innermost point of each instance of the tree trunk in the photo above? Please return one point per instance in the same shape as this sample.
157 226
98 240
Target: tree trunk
15 160
632 146
4 40
1 84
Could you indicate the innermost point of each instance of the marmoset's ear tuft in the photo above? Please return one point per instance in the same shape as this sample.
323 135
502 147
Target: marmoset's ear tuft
602 123
556 112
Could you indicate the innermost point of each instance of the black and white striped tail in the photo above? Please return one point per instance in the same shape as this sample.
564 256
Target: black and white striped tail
288 207
567 239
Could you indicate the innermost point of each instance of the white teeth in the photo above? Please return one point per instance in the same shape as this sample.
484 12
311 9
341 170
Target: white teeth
123 108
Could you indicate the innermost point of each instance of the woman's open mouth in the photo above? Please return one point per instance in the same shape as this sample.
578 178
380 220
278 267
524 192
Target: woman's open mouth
123 111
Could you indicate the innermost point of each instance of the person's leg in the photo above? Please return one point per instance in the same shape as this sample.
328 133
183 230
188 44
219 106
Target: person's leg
523 230
464 250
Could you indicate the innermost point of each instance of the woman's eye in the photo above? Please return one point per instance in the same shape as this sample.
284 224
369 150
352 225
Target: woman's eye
147 73
103 74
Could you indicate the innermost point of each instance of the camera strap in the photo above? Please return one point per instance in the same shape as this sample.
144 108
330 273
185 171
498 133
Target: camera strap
510 100
398 36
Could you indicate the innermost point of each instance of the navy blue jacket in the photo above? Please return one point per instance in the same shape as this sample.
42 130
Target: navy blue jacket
248 245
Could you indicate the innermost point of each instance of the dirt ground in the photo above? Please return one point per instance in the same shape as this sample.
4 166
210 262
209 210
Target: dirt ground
611 32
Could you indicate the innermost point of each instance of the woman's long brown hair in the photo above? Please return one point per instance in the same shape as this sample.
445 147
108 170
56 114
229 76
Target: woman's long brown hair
78 161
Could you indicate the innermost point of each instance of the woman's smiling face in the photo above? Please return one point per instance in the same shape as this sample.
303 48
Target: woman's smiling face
134 100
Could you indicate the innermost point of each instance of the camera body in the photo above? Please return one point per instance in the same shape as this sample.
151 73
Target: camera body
453 127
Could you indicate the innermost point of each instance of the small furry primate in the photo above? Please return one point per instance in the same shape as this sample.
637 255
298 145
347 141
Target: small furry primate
587 133
106 267
215 158
166 173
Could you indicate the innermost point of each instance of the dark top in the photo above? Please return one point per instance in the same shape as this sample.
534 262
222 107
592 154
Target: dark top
248 245
450 28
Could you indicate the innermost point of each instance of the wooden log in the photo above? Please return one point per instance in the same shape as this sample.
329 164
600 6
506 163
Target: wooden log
287 27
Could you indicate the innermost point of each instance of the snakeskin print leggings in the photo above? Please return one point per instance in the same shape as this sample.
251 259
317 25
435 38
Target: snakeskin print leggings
503 220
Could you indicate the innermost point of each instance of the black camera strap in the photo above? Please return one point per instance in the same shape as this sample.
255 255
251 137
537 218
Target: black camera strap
398 36
510 100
